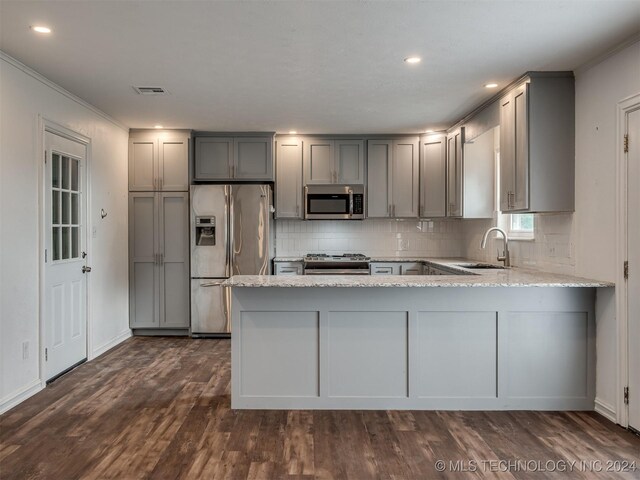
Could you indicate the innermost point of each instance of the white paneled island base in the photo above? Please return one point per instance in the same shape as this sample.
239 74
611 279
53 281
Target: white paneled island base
492 348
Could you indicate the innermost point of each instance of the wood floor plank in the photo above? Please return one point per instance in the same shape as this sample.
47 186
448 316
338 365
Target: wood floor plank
160 408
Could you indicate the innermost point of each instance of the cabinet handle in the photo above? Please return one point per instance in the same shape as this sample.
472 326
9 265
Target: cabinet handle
389 210
297 210
160 182
161 259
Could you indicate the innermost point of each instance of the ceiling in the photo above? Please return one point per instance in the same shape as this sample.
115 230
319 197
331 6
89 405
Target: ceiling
314 67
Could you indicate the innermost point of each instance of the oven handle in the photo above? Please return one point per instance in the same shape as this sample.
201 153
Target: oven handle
350 202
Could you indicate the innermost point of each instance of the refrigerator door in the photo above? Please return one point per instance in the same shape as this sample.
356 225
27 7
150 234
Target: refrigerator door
250 225
210 255
210 312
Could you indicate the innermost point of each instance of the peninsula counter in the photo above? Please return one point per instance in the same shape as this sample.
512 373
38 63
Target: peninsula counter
510 339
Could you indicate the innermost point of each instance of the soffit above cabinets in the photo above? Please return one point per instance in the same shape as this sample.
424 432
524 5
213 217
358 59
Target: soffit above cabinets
313 67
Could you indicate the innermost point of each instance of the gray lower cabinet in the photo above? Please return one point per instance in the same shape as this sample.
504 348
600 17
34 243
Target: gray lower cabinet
159 161
159 260
333 161
537 145
392 178
289 178
289 268
433 176
221 158
396 268
454 172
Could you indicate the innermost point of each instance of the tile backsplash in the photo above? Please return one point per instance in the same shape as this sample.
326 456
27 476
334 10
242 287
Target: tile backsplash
374 237
552 249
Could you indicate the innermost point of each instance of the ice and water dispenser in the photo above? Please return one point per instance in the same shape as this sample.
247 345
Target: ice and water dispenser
205 231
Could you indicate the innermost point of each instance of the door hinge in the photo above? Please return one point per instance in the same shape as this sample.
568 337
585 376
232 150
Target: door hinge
626 269
626 395
46 354
626 143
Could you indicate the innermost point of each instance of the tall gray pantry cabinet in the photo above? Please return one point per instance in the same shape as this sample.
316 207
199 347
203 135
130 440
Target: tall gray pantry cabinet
159 232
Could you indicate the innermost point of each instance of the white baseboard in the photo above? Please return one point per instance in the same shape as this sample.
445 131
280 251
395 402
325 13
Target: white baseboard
110 344
10 401
606 410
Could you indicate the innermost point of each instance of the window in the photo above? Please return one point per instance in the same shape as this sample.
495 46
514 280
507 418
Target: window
521 226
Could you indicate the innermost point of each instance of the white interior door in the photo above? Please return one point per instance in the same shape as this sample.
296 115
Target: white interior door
633 257
65 283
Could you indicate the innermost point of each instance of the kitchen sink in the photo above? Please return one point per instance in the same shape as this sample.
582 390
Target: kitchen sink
480 266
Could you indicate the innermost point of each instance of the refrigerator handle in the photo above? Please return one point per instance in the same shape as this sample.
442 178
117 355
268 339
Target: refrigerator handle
227 267
231 236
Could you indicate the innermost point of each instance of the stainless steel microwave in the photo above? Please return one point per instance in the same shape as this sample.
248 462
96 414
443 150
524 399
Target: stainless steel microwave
334 202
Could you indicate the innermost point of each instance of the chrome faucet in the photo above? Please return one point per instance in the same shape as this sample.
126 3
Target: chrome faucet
505 255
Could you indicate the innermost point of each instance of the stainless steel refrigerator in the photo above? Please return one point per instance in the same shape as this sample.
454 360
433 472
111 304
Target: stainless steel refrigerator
231 234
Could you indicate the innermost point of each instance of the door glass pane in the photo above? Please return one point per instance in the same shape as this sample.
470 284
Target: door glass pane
66 208
65 172
55 170
65 242
55 207
55 243
75 237
75 205
74 174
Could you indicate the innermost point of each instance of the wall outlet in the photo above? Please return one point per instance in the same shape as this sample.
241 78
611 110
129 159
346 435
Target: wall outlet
25 350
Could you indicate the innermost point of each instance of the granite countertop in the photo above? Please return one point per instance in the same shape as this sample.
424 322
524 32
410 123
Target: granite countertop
512 277
288 259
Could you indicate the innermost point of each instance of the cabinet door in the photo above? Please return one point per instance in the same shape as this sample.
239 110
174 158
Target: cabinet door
404 189
349 161
433 176
521 146
379 155
173 242
213 158
411 269
454 174
143 165
507 153
289 178
143 260
318 161
384 269
253 158
173 159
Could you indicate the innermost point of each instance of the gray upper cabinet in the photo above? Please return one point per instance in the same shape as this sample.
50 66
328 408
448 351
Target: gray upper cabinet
253 158
454 173
222 158
333 161
289 177
158 161
433 176
159 260
392 178
213 158
537 145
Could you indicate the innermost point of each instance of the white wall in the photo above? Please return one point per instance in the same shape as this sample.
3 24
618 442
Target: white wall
584 243
374 237
23 96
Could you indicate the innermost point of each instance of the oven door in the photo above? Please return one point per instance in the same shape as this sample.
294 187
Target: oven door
328 202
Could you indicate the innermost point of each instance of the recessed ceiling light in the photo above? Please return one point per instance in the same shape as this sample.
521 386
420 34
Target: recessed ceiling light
41 29
491 85
413 60
292 132
157 126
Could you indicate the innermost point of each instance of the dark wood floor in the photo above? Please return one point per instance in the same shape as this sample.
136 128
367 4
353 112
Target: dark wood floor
160 408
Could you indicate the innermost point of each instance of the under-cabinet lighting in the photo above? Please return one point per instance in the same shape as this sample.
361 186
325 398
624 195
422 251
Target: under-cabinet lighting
413 60
41 29
292 132
157 126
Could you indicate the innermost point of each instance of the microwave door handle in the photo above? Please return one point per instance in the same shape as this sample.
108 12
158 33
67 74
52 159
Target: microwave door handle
306 204
350 203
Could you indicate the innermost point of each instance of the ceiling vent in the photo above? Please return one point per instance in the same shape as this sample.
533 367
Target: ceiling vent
151 90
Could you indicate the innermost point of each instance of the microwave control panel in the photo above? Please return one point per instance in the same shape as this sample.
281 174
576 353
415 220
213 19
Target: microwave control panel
358 204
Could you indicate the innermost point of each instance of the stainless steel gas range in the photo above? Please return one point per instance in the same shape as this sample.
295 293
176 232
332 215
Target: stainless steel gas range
345 264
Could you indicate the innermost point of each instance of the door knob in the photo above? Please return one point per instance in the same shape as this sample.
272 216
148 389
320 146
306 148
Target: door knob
86 269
